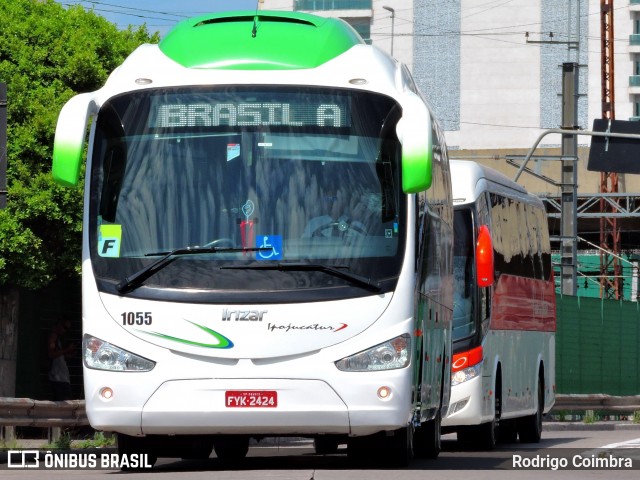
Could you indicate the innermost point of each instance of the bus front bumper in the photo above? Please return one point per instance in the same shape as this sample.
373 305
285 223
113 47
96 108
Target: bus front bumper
466 404
300 407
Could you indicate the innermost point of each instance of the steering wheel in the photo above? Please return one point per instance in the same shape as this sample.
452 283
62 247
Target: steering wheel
343 226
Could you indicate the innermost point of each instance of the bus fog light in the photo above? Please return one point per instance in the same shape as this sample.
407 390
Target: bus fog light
106 393
384 393
456 407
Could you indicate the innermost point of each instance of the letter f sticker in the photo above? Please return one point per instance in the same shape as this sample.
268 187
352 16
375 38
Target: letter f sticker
109 239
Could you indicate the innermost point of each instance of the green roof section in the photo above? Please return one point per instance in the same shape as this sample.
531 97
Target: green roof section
268 40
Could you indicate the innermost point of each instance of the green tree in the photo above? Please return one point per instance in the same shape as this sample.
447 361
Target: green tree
48 53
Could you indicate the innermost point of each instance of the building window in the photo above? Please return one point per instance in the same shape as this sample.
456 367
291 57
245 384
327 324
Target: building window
332 5
362 26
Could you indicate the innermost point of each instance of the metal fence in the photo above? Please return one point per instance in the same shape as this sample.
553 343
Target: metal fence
25 412
601 402
597 346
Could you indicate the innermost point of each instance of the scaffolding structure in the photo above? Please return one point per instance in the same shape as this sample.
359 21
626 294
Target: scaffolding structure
610 268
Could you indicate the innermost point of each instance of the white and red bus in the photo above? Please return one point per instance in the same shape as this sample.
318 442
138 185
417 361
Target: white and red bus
503 371
267 242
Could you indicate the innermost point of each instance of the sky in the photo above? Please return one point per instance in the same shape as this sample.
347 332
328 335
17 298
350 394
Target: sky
159 15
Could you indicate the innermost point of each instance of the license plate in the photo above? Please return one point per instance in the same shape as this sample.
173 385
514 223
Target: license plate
251 399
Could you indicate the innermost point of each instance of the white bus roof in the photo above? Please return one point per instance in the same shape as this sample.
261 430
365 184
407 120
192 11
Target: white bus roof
469 179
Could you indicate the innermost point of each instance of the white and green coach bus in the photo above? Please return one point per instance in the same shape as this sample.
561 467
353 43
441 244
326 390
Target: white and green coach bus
267 244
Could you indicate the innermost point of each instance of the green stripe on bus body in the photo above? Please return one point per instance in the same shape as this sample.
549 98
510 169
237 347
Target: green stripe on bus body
223 342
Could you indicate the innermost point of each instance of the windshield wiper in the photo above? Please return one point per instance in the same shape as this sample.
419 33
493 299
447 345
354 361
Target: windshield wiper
134 281
313 267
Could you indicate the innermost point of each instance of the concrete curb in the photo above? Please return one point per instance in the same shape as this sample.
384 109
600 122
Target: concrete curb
581 426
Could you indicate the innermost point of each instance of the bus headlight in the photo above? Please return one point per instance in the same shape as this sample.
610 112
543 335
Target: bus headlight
466 374
389 355
101 355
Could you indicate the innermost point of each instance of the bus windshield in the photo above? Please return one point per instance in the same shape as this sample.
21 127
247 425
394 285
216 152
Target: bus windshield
269 175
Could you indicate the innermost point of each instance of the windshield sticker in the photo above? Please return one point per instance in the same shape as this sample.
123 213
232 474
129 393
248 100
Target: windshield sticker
109 239
272 245
233 151
246 225
223 342
248 209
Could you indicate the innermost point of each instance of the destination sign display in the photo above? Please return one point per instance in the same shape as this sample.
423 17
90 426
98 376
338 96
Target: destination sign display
172 112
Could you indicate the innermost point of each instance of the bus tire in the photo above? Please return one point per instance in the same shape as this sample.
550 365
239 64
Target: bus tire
478 437
399 447
427 442
488 435
231 447
485 436
325 445
508 431
359 448
388 449
530 427
128 445
197 449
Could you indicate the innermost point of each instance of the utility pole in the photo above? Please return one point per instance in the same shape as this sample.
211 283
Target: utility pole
393 22
569 182
3 145
610 285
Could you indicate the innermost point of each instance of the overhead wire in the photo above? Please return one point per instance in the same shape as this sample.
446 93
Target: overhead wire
482 33
487 34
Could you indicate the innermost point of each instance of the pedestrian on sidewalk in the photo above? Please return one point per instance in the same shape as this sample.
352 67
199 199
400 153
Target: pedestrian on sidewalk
58 370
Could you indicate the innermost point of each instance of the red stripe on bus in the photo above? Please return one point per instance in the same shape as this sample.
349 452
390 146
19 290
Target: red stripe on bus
521 303
467 359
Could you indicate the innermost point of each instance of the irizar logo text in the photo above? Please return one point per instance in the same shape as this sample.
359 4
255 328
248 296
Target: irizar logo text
243 315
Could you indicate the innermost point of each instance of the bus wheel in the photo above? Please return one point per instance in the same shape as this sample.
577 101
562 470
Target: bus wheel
400 447
508 431
485 435
530 428
426 439
389 449
197 449
325 445
488 435
359 448
136 445
231 447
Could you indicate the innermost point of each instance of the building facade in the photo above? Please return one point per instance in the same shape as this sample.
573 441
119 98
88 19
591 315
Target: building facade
492 72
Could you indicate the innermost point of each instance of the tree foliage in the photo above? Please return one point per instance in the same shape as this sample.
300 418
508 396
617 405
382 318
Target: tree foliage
48 53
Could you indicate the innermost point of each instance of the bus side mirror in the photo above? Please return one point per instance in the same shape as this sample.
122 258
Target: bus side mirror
414 132
484 257
69 140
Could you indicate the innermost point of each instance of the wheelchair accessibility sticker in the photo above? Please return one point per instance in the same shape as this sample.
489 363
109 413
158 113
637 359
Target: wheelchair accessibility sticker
272 245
